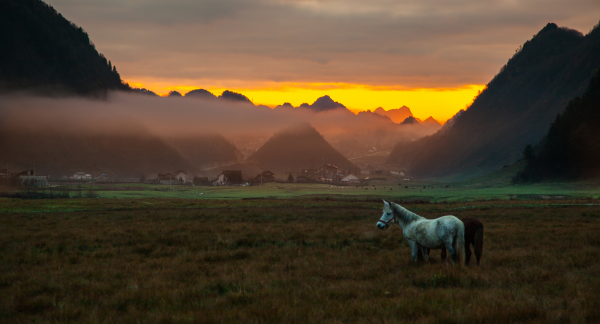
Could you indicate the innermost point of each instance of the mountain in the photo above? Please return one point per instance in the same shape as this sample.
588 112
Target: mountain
144 91
298 147
410 120
44 52
116 155
515 109
431 121
200 93
286 105
396 115
174 94
571 149
234 96
324 103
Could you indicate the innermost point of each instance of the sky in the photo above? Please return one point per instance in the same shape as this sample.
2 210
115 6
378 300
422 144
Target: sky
430 55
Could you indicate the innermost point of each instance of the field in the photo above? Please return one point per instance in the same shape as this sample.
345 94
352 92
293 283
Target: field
290 260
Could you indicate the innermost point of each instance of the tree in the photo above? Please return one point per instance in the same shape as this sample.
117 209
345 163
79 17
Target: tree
290 178
528 153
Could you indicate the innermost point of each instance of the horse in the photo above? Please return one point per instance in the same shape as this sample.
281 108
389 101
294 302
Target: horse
424 234
473 236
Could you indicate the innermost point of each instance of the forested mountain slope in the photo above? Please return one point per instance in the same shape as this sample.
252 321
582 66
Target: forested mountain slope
515 109
571 150
40 50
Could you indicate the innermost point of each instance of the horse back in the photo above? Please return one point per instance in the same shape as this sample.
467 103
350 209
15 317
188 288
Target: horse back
471 227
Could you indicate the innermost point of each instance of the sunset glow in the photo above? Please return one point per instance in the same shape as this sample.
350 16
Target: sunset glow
441 103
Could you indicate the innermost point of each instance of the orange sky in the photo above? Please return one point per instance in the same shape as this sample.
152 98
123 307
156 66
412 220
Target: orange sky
441 103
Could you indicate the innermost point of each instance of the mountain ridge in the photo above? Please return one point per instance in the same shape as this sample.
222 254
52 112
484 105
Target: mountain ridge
515 109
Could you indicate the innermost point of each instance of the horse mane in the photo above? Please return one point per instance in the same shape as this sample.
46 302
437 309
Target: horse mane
405 215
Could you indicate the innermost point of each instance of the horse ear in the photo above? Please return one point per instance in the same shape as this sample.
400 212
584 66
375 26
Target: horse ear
385 202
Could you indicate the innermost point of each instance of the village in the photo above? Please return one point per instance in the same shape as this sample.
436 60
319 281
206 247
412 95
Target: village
328 174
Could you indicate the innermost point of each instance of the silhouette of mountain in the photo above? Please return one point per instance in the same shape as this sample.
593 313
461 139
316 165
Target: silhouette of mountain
396 115
373 116
410 120
431 121
515 109
200 93
234 96
571 150
298 147
175 94
286 105
324 103
144 91
44 52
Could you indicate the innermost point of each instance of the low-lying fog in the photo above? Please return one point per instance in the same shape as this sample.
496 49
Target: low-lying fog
135 115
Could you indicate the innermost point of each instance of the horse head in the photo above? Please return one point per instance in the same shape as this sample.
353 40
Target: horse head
388 218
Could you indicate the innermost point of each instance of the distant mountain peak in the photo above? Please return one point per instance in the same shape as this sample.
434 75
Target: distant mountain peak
234 96
200 93
431 121
323 104
174 94
549 27
409 121
396 115
298 146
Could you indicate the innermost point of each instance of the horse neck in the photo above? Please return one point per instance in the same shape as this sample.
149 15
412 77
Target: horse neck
404 216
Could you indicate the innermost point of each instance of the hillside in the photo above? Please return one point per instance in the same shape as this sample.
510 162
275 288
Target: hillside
571 150
43 51
515 109
298 147
116 155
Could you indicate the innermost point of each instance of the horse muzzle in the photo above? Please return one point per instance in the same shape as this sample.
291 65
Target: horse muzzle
381 225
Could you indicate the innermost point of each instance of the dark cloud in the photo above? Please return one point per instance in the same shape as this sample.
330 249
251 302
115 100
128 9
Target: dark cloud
411 43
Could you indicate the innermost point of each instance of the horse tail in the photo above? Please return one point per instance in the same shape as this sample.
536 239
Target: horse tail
460 242
478 243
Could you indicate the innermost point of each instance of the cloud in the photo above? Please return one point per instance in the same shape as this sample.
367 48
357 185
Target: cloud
381 42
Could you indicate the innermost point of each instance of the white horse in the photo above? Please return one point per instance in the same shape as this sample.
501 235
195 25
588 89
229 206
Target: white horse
426 234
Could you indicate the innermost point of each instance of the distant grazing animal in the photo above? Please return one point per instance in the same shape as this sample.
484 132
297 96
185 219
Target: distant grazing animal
473 236
424 234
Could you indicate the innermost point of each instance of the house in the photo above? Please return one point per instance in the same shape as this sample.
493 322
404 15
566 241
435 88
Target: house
265 176
229 177
175 177
82 176
167 178
182 176
31 180
24 173
329 173
350 179
4 173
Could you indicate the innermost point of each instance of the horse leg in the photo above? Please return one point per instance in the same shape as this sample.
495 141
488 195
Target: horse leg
425 253
414 249
443 256
478 244
467 253
452 251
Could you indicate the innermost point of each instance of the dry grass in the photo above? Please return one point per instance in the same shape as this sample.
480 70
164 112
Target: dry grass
294 264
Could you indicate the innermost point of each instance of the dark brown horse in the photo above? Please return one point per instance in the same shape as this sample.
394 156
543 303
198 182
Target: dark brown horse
473 236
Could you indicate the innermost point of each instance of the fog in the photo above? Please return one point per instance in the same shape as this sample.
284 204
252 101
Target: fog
165 117
130 134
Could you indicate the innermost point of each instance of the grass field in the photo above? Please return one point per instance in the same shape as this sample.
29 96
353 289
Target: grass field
289 260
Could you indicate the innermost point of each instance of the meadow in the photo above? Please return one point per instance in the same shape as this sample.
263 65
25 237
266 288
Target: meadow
303 260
